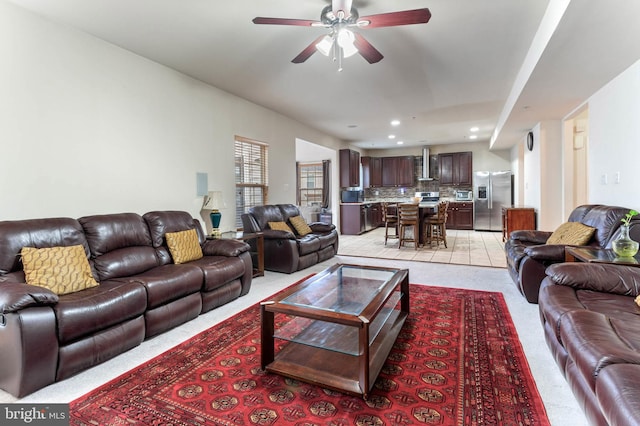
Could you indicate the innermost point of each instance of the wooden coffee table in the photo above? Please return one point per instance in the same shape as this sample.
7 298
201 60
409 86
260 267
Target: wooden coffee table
336 328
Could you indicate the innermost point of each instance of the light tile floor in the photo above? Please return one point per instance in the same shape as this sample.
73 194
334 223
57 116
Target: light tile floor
463 248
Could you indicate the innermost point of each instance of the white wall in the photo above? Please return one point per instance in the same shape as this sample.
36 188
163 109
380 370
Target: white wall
614 141
542 174
613 148
89 128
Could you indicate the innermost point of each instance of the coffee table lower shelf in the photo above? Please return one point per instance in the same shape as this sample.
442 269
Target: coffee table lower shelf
336 370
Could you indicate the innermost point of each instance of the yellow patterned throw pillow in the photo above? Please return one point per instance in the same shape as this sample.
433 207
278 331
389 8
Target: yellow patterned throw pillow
279 226
571 233
184 246
62 270
301 226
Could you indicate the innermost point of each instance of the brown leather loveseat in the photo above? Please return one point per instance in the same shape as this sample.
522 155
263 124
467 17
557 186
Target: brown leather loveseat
528 255
46 337
287 250
592 326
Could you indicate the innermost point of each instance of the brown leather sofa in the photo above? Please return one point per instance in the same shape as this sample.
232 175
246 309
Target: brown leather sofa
46 338
287 251
591 325
528 256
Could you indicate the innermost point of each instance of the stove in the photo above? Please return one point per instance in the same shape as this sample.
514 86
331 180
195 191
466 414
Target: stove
428 200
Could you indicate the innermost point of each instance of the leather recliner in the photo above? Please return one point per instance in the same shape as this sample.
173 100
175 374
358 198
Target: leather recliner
591 325
287 251
528 255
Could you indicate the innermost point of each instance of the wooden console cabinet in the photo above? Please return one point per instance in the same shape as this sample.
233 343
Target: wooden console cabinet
517 218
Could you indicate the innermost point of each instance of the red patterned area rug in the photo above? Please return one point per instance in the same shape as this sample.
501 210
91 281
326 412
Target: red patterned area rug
457 361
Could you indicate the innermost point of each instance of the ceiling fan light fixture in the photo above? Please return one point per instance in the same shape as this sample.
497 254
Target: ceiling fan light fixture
346 42
324 46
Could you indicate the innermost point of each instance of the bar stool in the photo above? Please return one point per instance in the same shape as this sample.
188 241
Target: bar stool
408 217
435 229
390 219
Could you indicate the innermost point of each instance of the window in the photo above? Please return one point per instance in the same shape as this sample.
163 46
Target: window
310 184
251 175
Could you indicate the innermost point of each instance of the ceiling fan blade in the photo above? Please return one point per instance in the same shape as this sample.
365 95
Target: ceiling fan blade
307 52
284 21
391 19
366 49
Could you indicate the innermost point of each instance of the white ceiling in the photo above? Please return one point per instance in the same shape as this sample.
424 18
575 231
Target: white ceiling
439 79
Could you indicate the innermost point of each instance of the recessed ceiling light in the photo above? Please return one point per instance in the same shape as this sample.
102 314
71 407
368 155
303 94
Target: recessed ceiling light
473 137
399 142
392 136
474 129
395 122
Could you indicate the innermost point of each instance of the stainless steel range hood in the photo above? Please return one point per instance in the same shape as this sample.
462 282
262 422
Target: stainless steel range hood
425 165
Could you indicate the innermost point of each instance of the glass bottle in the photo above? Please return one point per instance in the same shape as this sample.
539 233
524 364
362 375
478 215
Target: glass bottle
624 246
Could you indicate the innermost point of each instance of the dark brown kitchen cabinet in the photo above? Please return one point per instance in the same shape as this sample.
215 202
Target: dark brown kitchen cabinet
371 172
460 215
456 168
376 215
398 171
352 219
349 168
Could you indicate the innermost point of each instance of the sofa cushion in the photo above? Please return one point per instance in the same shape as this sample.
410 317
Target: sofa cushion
327 240
169 282
62 270
219 270
300 225
120 244
308 244
125 262
39 233
161 222
594 341
606 220
571 233
279 226
184 246
265 214
98 308
618 393
288 211
108 232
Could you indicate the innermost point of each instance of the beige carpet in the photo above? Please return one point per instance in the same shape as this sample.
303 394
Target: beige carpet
463 248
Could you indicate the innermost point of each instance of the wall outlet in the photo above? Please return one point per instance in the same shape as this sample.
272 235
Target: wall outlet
617 177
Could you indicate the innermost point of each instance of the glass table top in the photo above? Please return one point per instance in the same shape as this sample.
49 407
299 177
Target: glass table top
347 289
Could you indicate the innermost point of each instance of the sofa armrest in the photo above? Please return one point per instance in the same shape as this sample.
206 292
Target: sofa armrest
229 248
273 234
546 252
605 278
532 236
17 296
321 227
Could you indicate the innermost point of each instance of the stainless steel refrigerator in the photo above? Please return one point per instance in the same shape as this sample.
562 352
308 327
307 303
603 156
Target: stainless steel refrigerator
491 191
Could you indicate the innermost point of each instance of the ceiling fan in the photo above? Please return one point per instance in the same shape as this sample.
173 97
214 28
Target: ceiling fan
341 42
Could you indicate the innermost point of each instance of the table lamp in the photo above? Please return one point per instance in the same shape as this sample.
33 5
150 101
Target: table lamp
212 202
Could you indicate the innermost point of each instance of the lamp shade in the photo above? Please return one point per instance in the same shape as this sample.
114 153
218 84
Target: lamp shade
213 200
